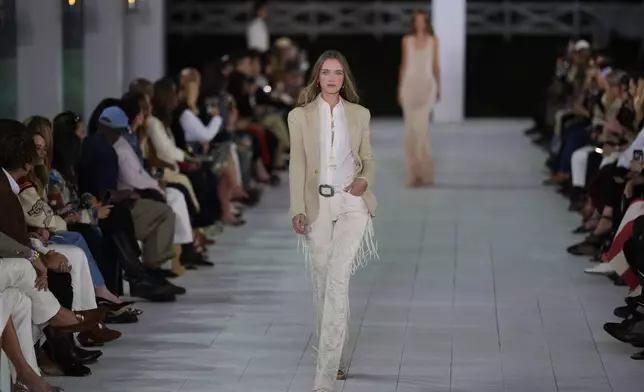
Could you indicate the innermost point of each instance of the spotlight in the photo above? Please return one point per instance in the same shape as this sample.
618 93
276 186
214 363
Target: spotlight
132 5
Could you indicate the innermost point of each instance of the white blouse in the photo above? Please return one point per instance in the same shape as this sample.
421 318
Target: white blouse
195 131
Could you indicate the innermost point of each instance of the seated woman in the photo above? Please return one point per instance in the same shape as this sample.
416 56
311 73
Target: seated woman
165 157
43 220
192 136
587 160
576 128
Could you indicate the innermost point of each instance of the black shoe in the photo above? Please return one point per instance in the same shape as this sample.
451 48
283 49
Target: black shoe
158 276
584 249
582 230
151 291
176 290
202 262
616 279
124 316
190 257
532 131
622 312
60 349
86 357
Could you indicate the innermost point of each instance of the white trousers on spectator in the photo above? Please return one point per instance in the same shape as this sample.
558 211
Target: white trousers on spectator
338 242
611 158
82 285
15 304
19 274
182 226
579 166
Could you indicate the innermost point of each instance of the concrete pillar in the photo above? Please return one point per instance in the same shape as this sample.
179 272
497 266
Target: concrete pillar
8 44
450 24
104 51
39 58
145 46
73 63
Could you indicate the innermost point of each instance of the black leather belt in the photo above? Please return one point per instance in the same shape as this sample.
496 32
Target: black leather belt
326 190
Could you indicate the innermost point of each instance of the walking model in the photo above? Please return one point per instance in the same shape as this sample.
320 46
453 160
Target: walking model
331 182
418 91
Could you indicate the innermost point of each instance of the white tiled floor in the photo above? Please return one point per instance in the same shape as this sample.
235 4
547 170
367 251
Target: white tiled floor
473 292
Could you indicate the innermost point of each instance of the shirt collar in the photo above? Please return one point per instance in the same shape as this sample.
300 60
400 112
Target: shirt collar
323 104
14 185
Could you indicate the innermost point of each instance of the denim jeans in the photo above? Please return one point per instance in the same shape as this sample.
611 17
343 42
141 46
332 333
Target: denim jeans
77 239
575 138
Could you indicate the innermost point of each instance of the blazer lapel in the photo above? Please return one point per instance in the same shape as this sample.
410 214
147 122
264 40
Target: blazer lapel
352 126
312 133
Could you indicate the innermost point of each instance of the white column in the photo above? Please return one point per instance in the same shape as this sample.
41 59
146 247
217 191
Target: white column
104 51
450 24
39 58
145 46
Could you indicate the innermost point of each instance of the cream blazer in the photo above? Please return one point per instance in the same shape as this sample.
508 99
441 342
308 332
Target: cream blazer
304 129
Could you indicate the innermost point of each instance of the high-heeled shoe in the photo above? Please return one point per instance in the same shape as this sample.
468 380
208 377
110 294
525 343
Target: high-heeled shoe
111 305
87 320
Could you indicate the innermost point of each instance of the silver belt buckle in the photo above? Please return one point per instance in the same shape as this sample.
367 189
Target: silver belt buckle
326 190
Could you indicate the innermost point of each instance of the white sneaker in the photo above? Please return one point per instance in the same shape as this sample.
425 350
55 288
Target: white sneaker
600 269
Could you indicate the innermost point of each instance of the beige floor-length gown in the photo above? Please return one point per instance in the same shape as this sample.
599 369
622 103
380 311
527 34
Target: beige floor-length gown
418 96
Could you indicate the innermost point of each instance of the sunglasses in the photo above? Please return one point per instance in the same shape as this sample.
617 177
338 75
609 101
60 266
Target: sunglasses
73 117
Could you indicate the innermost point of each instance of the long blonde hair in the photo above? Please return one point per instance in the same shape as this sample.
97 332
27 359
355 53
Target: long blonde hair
429 28
638 102
313 89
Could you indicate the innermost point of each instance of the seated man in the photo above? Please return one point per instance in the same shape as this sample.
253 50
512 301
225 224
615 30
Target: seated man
133 175
154 222
18 343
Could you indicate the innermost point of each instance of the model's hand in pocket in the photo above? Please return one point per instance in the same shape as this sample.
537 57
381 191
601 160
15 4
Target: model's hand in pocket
357 187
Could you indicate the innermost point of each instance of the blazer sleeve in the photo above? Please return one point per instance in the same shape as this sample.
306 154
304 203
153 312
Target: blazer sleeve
366 152
297 166
37 212
10 248
165 147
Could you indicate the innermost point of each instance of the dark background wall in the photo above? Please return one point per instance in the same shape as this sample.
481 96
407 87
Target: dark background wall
504 77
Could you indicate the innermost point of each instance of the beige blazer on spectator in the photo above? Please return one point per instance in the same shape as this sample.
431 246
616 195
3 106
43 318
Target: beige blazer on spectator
304 168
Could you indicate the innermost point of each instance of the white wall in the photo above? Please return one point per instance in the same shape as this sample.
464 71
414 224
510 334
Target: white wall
145 41
450 23
39 58
104 51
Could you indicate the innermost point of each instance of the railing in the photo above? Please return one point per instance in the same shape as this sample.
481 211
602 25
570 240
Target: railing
378 18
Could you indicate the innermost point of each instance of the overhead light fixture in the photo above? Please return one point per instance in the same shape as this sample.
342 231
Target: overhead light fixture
132 5
71 2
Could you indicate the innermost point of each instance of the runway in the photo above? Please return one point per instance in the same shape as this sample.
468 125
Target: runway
473 291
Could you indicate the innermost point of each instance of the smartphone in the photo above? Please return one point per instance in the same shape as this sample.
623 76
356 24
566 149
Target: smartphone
106 198
638 155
